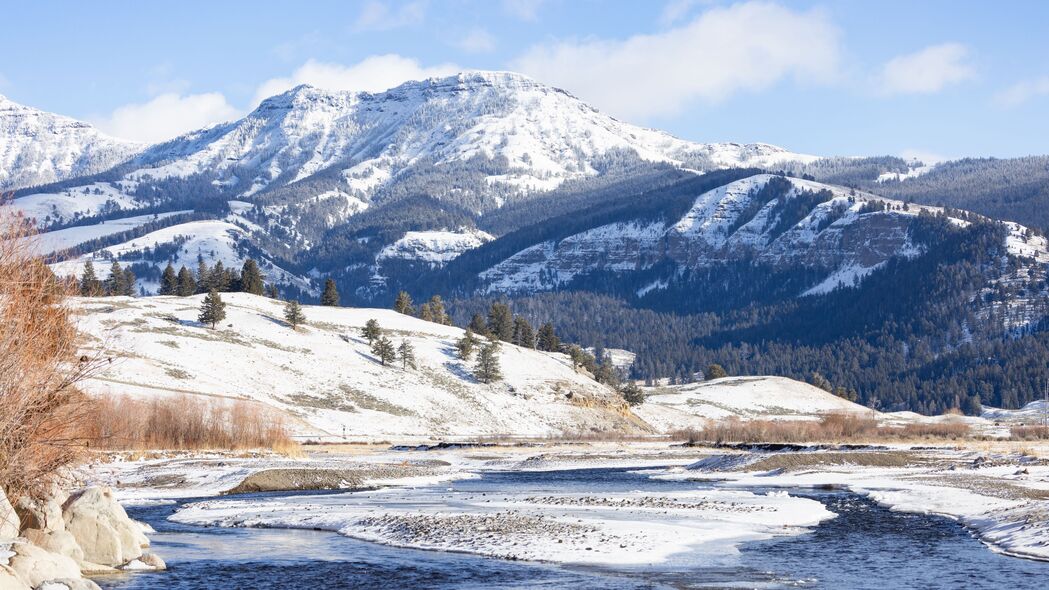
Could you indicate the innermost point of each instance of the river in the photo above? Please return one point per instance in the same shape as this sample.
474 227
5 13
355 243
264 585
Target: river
866 546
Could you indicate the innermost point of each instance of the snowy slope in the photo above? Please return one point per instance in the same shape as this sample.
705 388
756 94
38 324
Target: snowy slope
326 377
54 241
214 241
834 232
38 147
776 398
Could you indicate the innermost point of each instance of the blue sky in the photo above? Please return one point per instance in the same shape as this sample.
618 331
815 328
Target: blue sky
833 77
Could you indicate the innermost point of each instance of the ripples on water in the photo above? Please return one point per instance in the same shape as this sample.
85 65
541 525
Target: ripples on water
866 547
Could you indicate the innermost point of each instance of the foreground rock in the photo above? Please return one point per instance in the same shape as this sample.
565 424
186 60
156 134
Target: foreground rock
51 544
103 529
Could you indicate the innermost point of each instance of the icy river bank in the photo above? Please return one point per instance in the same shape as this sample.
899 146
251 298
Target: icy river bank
821 539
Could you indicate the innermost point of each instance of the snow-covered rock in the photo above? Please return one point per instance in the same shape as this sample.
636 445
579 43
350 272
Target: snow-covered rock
435 248
35 565
102 528
37 147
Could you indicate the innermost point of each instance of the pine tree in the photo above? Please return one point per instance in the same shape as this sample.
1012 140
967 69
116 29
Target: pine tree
606 372
487 367
714 371
90 286
272 291
632 394
425 313
501 322
168 281
186 285
330 297
465 345
202 275
478 325
407 354
293 314
524 336
438 312
212 310
218 278
251 280
403 304
129 282
371 331
577 355
548 340
115 283
383 348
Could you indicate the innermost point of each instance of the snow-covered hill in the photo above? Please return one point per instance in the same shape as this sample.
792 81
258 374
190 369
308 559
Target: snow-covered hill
37 147
766 398
325 376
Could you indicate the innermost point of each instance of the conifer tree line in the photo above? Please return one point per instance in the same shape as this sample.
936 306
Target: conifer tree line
384 349
121 281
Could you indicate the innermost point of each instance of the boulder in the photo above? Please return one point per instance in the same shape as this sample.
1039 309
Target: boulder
61 542
9 580
36 566
149 562
103 530
9 523
43 515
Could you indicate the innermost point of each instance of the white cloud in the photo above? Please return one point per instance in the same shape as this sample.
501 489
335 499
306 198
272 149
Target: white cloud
477 41
1023 91
675 10
372 74
382 16
523 9
927 71
723 51
167 116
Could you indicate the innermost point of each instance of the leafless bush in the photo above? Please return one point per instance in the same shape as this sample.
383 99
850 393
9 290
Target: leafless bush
40 404
1029 432
836 427
185 422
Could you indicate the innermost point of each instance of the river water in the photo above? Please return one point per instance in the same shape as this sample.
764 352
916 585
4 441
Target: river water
865 547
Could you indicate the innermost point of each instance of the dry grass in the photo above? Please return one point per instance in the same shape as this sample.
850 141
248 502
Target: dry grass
185 422
40 405
837 427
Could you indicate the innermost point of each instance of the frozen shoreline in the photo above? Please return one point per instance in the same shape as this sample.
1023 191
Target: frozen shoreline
1003 499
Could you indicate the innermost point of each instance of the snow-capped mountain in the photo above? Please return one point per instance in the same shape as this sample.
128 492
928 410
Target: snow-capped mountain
495 136
37 147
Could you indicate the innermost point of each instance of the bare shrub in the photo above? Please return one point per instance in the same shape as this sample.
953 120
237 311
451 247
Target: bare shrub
185 422
952 429
39 367
1028 432
835 427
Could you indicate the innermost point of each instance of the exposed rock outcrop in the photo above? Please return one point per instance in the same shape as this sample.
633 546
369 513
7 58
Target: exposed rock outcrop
102 528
